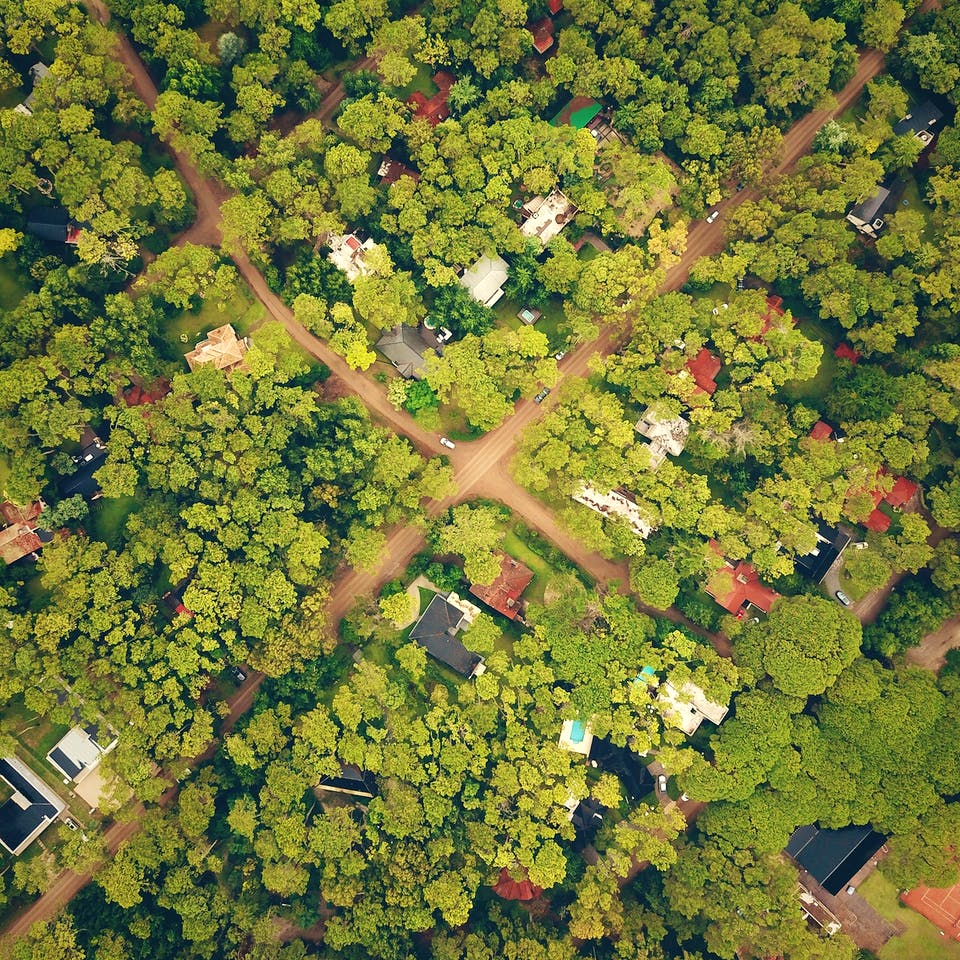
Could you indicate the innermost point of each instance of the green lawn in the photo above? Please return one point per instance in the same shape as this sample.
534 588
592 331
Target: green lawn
185 329
551 323
422 82
921 940
817 387
11 288
542 569
108 516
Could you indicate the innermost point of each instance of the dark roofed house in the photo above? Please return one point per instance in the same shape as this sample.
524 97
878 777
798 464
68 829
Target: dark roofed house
92 454
352 781
636 779
832 857
52 223
921 122
32 807
831 542
404 348
390 171
503 594
869 216
436 631
586 817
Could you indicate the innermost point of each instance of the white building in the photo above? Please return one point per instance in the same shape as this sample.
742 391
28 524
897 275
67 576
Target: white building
485 279
688 707
348 254
547 216
616 504
666 435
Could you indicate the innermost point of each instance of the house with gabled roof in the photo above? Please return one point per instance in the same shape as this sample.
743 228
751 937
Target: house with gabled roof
434 109
922 121
547 216
515 884
831 543
221 349
704 368
870 215
616 503
665 435
405 348
348 253
79 751
737 586
833 857
53 224
503 594
39 71
485 279
390 171
352 781
688 707
82 482
436 631
28 810
542 33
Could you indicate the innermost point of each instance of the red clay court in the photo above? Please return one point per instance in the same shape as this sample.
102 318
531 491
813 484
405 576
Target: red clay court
940 906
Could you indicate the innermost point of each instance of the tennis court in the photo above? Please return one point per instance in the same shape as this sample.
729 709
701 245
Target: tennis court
941 906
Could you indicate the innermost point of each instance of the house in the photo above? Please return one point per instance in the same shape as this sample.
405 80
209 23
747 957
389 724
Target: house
485 279
93 452
737 587
352 781
818 914
38 72
616 503
53 224
704 368
29 809
832 857
138 394
602 130
436 631
666 435
688 707
434 109
348 254
941 906
509 888
774 312
503 595
542 32
831 542
576 736
870 215
821 430
576 112
586 816
21 537
547 216
902 491
390 171
79 751
222 349
405 348
554 6
921 122
634 777
174 601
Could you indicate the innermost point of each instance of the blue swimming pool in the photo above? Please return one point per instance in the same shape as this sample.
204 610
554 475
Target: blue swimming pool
577 731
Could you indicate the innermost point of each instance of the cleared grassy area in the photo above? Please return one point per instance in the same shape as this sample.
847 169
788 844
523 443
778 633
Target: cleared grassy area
11 289
921 940
816 388
184 330
422 82
108 516
550 323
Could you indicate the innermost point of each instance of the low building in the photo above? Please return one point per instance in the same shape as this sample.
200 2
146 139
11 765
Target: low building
390 171
737 587
434 109
352 781
704 368
221 349
405 348
38 72
586 816
485 279
503 595
922 121
831 542
547 216
79 751
832 857
576 736
516 885
817 913
21 537
901 493
603 131
436 631
634 777
666 435
616 503
82 482
688 707
31 807
348 253
870 215
542 33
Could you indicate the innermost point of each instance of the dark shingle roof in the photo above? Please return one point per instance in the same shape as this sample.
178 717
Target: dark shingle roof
404 348
17 823
922 117
831 542
636 779
436 632
832 857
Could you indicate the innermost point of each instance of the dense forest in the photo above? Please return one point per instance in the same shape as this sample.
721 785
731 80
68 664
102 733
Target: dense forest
193 526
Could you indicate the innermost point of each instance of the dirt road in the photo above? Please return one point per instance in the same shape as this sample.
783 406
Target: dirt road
931 652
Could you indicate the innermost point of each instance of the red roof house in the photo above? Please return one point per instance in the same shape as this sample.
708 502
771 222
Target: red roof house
554 6
436 108
390 171
703 368
821 430
901 491
138 395
542 32
511 889
14 513
734 586
846 352
504 593
774 309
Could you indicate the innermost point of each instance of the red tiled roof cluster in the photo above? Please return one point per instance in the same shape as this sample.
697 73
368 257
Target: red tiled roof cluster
14 513
138 395
436 108
392 170
899 494
542 32
846 352
732 586
774 309
511 889
703 368
505 591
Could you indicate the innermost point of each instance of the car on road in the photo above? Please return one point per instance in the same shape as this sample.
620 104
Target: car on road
843 598
449 444
559 356
542 395
662 783
713 216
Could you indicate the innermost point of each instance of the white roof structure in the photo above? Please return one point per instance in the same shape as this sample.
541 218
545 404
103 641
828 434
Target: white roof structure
485 279
688 708
547 216
666 436
576 736
78 752
616 504
347 253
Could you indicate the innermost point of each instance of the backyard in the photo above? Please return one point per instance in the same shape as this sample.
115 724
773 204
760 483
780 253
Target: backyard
11 289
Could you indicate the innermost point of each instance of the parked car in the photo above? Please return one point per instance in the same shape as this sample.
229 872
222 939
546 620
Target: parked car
662 783
449 444
713 216
238 675
559 356
542 395
843 598
684 797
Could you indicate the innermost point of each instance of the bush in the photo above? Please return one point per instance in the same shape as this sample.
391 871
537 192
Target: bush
694 604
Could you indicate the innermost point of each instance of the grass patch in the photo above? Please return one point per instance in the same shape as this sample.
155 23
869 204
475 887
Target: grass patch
185 329
921 940
12 289
818 386
108 516
552 323
426 595
422 82
542 569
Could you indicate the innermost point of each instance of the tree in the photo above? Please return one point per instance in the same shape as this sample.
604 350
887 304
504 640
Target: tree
473 533
656 582
398 608
804 645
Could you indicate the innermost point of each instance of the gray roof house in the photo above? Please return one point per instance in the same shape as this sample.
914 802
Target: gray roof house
31 806
869 217
436 631
404 348
921 122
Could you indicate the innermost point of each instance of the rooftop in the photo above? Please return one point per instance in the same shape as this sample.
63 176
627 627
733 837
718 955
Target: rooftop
734 585
667 435
434 109
31 809
390 171
689 707
542 32
616 503
636 779
520 889
547 216
404 348
485 279
348 254
436 631
352 781
831 542
832 857
704 368
922 122
78 751
504 593
19 540
221 349
846 352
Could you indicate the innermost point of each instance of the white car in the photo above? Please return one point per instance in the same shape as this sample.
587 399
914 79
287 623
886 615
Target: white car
662 783
713 216
449 444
